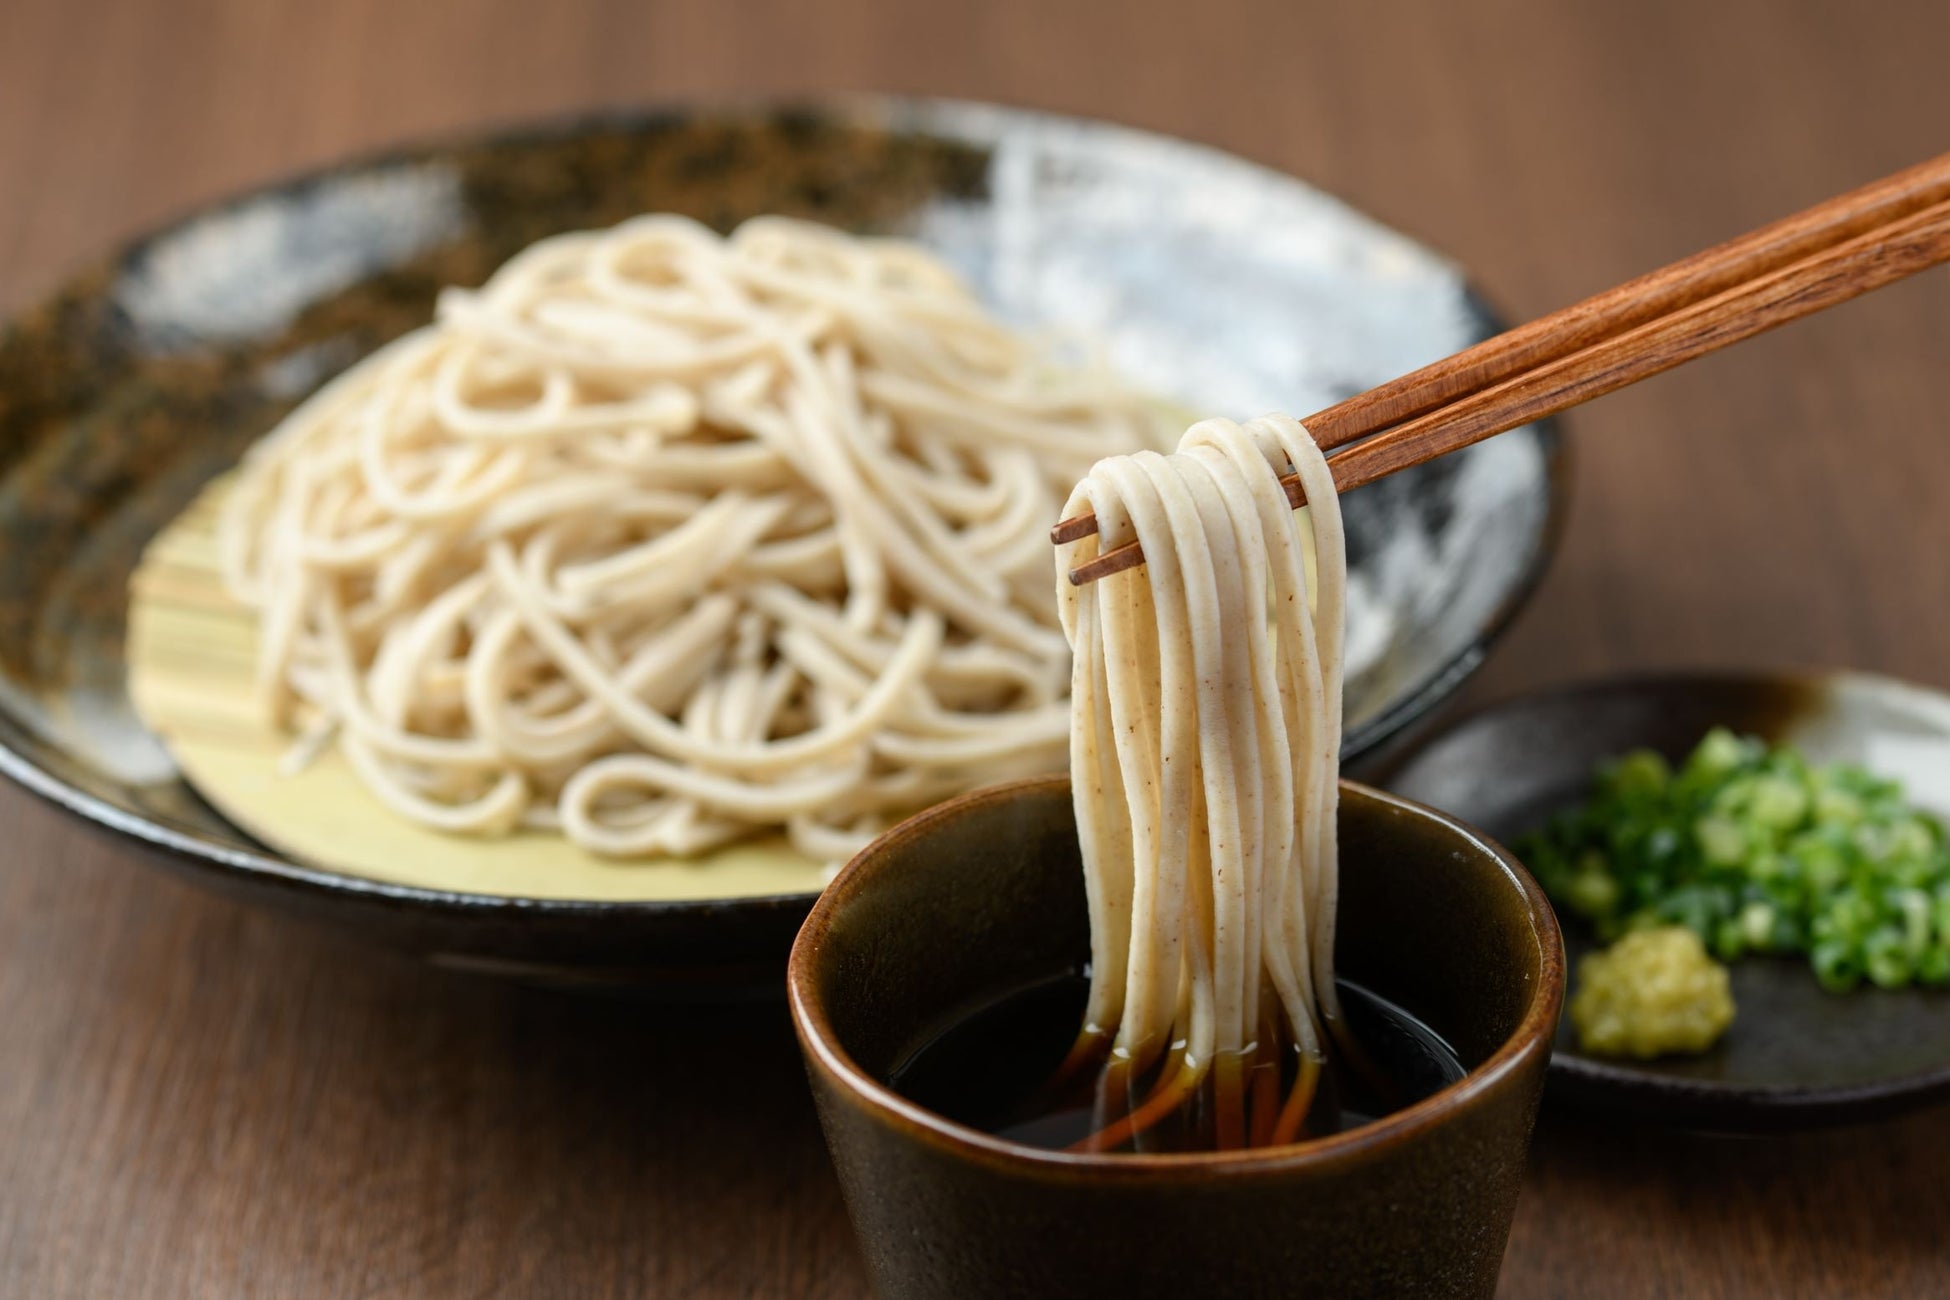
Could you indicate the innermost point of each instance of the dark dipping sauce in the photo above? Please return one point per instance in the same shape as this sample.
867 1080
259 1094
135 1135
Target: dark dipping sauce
990 1070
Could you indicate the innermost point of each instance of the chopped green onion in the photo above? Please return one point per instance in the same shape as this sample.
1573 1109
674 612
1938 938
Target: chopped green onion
1756 850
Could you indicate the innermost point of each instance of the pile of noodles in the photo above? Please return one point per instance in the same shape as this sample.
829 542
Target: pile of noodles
662 538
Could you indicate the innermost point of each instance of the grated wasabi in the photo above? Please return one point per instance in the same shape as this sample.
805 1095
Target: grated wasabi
1653 993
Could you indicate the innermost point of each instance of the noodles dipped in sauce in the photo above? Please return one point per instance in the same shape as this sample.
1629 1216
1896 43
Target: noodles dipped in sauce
1204 753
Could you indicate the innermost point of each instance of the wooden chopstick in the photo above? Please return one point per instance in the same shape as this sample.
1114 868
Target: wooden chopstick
1847 270
1635 302
1604 315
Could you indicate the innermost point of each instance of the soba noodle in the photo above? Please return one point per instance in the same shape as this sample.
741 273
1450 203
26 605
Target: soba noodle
1204 755
662 538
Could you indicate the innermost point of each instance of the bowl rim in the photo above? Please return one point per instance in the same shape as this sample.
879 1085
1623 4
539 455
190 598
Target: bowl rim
1529 1040
946 117
1624 1086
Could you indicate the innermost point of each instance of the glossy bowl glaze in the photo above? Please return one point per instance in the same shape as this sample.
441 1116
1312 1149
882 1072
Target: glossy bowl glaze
1225 287
1796 1056
985 894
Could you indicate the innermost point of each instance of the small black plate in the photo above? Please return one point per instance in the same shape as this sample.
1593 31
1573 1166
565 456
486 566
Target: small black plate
1796 1056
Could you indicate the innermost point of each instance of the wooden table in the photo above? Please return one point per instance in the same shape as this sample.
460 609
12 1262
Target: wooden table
197 1100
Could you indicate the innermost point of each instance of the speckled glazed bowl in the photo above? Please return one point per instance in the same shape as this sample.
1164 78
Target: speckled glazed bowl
1226 287
985 894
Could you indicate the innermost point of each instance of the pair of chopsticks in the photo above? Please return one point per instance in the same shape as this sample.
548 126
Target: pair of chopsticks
1795 267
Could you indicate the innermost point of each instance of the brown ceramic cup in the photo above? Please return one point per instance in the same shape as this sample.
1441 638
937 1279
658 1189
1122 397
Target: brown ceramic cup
985 894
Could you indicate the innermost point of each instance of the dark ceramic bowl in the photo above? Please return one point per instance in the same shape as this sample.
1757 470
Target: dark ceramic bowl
985 894
1228 288
1795 1056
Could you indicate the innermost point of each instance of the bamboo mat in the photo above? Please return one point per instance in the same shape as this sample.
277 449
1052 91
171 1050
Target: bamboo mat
190 662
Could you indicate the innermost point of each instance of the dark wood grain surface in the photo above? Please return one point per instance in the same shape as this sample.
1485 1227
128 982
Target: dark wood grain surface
196 1100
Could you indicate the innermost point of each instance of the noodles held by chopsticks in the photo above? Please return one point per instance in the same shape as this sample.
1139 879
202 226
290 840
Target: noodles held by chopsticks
664 538
1204 757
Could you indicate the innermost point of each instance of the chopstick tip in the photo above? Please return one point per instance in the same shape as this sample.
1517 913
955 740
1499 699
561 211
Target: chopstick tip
1069 530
